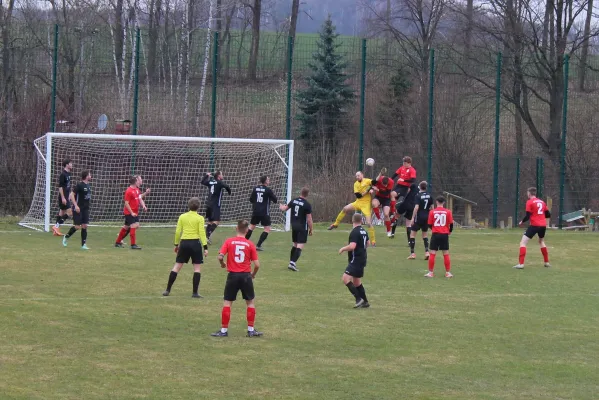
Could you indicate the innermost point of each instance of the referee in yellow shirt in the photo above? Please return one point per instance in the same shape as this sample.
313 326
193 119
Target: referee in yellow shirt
190 237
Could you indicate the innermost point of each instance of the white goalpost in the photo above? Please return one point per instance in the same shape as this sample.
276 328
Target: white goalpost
171 166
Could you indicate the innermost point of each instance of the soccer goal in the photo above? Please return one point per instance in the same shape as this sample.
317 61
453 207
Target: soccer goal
171 166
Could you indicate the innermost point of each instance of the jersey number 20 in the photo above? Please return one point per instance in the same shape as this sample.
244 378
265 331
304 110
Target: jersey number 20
440 219
239 254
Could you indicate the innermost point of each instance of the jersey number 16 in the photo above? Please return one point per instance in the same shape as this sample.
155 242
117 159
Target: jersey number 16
259 197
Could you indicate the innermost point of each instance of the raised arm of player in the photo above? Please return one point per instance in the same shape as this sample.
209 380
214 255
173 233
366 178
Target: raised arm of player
226 187
144 194
253 196
142 202
206 179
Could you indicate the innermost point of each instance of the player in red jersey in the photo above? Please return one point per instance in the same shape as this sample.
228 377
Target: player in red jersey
440 220
406 175
382 188
536 212
133 199
240 254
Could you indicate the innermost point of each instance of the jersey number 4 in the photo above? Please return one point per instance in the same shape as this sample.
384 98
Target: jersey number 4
212 189
239 254
440 219
259 197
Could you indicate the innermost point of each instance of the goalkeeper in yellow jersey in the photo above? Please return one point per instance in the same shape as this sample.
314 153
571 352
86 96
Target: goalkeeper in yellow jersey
363 204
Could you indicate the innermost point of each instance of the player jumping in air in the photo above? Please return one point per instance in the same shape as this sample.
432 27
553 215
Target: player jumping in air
133 199
406 209
424 203
406 176
261 198
215 186
301 225
64 193
240 254
190 238
80 198
356 252
382 187
536 212
441 221
363 204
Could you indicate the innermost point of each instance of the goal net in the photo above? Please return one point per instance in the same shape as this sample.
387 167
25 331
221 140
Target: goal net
172 167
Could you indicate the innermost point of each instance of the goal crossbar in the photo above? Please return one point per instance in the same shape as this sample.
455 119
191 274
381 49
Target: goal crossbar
185 158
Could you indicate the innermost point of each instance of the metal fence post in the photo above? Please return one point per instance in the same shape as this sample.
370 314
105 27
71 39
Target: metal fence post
213 108
54 79
289 82
562 172
517 202
431 103
135 97
541 187
362 105
497 130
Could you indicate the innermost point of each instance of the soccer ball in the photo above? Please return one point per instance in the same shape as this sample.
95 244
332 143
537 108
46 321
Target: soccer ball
370 162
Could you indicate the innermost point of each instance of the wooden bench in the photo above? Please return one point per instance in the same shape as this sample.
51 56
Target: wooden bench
582 219
467 207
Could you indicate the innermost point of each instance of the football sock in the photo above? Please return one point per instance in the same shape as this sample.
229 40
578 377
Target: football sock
447 262
362 292
408 232
371 233
122 234
196 281
388 226
248 235
296 255
522 255
214 226
59 221
393 228
545 254
425 240
263 237
291 254
171 279
340 217
71 232
251 317
412 244
126 233
393 204
431 262
132 232
83 236
353 290
225 318
377 212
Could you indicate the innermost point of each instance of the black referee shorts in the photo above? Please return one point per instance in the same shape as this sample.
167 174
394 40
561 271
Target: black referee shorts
239 281
190 249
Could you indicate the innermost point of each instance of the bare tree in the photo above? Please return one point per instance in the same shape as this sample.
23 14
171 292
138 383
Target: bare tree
584 54
155 16
254 49
7 99
293 18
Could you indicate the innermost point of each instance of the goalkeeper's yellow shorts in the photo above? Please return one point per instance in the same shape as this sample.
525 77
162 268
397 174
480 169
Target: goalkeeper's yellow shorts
363 206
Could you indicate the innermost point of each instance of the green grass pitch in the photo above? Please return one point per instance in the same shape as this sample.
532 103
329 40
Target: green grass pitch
77 325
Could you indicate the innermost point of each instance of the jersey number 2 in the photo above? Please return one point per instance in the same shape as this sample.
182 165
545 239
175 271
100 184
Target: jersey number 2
239 254
440 219
540 207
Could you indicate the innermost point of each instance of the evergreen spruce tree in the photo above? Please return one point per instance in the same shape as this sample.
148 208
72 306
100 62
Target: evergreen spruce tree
325 103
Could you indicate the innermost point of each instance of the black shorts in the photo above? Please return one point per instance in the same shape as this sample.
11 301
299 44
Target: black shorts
420 223
355 270
402 191
439 241
299 236
239 281
385 201
404 209
260 220
213 214
63 207
82 217
531 231
190 249
130 220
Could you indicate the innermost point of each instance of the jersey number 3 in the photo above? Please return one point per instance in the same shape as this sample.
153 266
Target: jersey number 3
239 254
440 219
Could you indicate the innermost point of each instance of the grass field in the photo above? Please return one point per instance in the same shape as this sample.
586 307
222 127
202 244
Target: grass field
94 325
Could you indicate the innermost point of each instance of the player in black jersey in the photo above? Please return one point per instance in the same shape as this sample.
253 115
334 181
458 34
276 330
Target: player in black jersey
301 225
64 193
424 203
356 252
406 208
80 199
261 198
215 186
